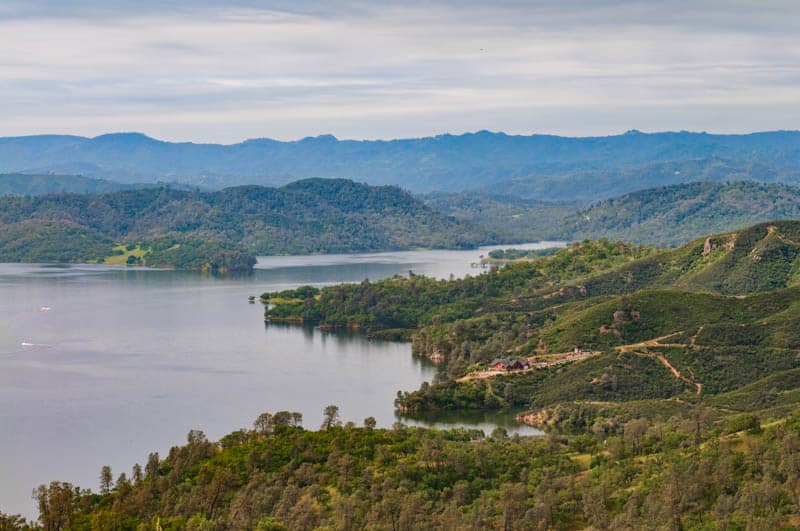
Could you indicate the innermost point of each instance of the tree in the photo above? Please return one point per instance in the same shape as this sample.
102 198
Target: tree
263 424
12 522
123 485
106 479
196 436
137 473
56 503
284 418
499 433
152 467
370 423
513 503
634 431
297 418
270 524
331 417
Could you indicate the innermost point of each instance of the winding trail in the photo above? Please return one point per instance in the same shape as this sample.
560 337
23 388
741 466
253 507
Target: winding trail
643 349
676 373
693 339
655 342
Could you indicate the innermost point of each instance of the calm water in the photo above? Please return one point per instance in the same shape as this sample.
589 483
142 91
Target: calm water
128 361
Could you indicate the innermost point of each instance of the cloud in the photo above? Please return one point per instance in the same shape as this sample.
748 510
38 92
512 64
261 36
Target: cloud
223 71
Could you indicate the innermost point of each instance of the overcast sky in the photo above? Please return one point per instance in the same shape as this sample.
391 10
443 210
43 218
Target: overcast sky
223 71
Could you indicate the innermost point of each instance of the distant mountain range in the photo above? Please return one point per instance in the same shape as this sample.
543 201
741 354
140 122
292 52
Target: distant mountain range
609 165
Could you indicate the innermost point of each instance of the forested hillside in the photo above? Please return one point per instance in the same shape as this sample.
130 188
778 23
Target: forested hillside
512 219
664 216
164 226
707 318
672 215
678 470
603 183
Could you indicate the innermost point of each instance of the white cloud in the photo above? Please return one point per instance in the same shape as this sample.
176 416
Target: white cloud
222 73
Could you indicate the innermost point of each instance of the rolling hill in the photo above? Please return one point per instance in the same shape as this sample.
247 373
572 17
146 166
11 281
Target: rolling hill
583 187
672 215
515 220
664 216
311 216
703 319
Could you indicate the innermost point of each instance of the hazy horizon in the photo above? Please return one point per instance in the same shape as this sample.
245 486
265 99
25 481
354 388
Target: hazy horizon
390 139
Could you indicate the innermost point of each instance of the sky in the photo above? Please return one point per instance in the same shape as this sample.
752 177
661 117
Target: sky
224 71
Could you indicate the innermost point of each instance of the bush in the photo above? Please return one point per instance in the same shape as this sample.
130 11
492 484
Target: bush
746 422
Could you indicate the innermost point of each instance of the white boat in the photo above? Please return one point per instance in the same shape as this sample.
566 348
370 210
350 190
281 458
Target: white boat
45 309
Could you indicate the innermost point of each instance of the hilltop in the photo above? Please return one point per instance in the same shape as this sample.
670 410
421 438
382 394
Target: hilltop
443 163
225 229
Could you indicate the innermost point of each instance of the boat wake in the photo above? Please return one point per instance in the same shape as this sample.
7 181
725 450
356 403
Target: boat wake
33 346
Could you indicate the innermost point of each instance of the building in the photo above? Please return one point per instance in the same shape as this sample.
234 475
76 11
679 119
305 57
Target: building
508 365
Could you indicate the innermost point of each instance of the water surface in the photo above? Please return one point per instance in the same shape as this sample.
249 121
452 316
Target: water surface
127 361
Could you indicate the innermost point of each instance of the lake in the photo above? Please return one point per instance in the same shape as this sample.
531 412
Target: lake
101 365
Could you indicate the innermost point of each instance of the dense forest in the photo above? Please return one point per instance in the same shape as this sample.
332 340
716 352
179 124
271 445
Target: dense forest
675 470
665 216
224 230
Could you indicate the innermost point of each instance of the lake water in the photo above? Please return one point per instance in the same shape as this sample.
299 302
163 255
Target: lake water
127 361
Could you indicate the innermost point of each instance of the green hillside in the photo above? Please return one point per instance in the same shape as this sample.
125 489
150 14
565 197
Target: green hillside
583 187
513 219
665 216
672 215
233 225
45 241
710 316
682 465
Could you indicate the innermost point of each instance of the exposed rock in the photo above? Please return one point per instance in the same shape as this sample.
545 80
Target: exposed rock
436 356
707 247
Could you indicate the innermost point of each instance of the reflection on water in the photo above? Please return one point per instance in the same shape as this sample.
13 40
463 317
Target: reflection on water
479 420
127 361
